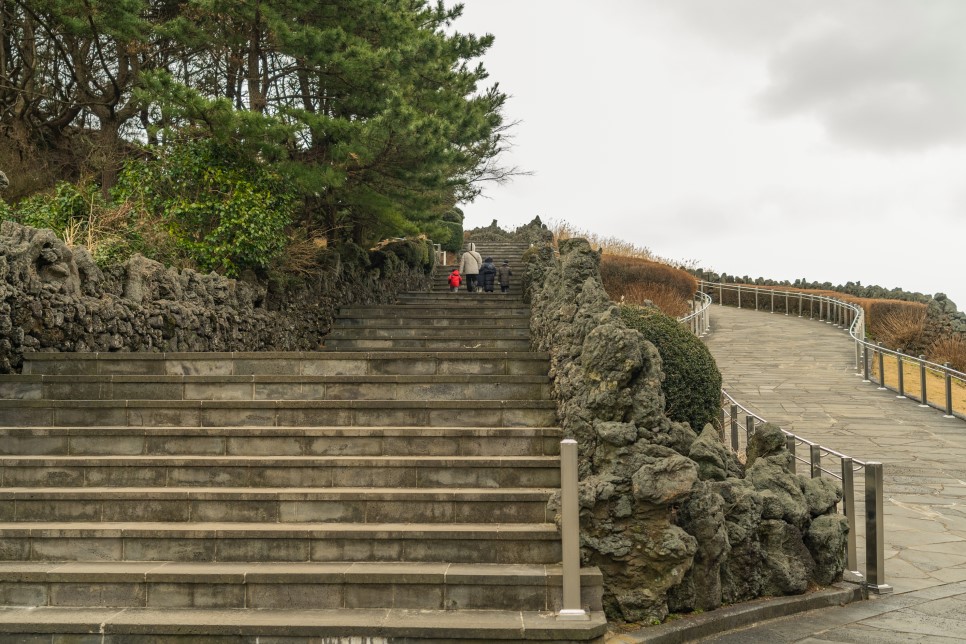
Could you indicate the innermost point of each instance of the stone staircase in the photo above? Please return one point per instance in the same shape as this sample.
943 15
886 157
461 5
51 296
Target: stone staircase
389 488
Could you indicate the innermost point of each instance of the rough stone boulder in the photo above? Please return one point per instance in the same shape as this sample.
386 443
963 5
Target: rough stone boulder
715 461
826 540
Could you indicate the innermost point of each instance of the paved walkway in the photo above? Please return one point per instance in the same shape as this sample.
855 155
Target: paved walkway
800 374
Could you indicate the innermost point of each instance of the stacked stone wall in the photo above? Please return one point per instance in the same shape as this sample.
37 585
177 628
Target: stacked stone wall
673 519
54 298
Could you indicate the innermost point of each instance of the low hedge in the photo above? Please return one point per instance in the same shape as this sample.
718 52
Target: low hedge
692 382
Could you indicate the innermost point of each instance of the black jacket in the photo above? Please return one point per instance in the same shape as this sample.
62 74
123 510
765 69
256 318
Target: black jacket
487 274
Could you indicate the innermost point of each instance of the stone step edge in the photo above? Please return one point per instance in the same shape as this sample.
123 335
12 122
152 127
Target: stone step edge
282 432
463 494
289 572
275 460
279 531
278 404
271 379
276 355
505 626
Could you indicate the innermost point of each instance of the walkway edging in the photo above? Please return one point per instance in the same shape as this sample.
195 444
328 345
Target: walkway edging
694 627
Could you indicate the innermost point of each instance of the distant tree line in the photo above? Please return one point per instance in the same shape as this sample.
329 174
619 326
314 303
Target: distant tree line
850 288
352 119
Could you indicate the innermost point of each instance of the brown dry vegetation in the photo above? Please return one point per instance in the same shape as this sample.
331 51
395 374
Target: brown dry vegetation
634 280
951 350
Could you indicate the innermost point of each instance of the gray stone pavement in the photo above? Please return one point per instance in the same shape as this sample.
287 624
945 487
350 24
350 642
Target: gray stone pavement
801 374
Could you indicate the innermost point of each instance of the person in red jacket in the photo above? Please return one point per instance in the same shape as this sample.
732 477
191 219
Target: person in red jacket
455 280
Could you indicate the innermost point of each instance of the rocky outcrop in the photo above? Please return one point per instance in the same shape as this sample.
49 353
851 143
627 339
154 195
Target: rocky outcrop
673 520
55 298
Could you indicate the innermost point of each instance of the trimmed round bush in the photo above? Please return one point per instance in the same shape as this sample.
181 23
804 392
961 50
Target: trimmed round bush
692 382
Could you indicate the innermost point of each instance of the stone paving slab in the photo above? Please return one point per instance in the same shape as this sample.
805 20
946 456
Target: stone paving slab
801 374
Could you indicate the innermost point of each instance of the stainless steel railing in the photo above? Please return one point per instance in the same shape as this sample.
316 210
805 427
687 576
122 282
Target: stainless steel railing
698 320
843 313
870 357
874 574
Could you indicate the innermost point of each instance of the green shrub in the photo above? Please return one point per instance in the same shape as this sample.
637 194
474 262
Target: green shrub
692 382
226 211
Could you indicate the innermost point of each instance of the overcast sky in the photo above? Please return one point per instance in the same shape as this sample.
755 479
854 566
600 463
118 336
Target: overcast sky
823 139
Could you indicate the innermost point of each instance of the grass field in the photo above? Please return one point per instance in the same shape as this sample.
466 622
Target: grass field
912 384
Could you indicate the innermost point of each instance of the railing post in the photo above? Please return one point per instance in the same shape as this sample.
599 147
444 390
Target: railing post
865 362
949 391
786 303
721 428
734 427
721 294
881 365
799 305
749 429
923 401
874 531
570 533
790 446
815 461
811 307
902 381
848 497
756 298
739 295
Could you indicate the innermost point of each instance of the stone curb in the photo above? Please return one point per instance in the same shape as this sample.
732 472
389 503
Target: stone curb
696 627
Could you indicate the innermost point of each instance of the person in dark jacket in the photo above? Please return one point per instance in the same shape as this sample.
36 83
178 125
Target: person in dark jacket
503 274
488 274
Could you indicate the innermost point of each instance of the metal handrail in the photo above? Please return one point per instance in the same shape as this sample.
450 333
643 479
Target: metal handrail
699 319
873 502
841 313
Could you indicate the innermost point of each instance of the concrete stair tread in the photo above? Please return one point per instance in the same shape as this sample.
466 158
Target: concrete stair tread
370 571
268 460
287 493
283 404
268 378
358 430
483 625
257 356
237 530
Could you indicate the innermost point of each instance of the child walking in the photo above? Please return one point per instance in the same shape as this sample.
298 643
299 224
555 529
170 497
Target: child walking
455 280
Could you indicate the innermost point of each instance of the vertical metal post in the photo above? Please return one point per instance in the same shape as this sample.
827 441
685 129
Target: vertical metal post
800 305
570 533
811 307
815 461
756 298
721 294
848 497
949 391
721 427
858 354
923 400
865 362
749 429
881 365
874 531
734 427
739 295
902 381
820 308
786 304
790 446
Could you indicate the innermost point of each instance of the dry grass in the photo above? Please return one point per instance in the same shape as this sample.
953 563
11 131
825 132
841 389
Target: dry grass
912 384
635 280
899 327
301 254
612 245
951 350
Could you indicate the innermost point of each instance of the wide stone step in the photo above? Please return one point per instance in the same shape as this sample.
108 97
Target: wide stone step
273 471
423 344
43 387
277 505
455 309
315 363
479 331
295 626
513 543
277 413
288 441
491 302
335 585
421 320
